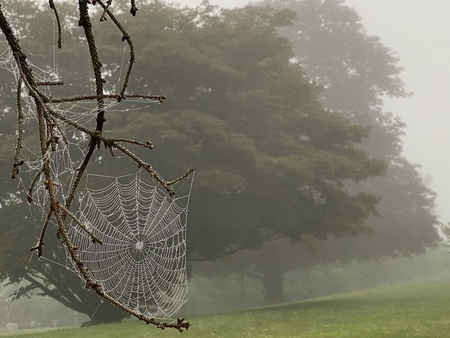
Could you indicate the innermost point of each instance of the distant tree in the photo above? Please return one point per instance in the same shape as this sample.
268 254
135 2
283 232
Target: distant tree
355 72
272 162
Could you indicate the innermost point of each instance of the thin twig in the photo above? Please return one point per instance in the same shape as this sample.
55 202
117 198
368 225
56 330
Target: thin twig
109 142
50 83
58 22
40 242
185 175
133 8
33 183
142 164
49 99
20 117
103 16
125 37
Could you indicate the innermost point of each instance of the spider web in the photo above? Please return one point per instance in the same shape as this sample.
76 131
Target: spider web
142 261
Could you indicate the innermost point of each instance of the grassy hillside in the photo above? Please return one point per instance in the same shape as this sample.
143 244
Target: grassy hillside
411 311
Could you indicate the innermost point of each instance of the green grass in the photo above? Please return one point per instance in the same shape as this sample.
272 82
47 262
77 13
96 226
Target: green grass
411 311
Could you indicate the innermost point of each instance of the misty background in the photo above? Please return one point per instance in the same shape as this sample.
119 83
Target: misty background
415 31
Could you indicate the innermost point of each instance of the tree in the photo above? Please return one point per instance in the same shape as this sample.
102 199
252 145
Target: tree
273 163
355 71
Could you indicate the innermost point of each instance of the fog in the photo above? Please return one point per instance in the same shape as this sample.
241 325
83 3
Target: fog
416 31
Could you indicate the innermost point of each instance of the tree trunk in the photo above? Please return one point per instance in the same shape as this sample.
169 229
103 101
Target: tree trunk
273 281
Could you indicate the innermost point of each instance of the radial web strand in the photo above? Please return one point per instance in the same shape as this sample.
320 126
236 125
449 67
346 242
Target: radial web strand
142 261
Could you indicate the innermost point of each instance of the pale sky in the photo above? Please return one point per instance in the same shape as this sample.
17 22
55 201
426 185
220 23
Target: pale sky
418 31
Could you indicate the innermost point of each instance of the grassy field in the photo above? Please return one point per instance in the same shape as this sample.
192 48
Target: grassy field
411 311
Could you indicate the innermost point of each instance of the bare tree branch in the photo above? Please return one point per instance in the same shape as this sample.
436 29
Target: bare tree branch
50 132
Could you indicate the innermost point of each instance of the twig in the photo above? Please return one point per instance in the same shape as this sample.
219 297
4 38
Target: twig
133 8
125 37
40 242
142 164
110 142
50 83
49 99
20 118
33 183
185 175
58 22
103 16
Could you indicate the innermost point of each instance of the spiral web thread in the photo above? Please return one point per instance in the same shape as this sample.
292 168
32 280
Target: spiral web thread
142 261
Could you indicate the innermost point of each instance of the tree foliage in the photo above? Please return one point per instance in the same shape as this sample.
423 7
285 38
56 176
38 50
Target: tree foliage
272 162
355 71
